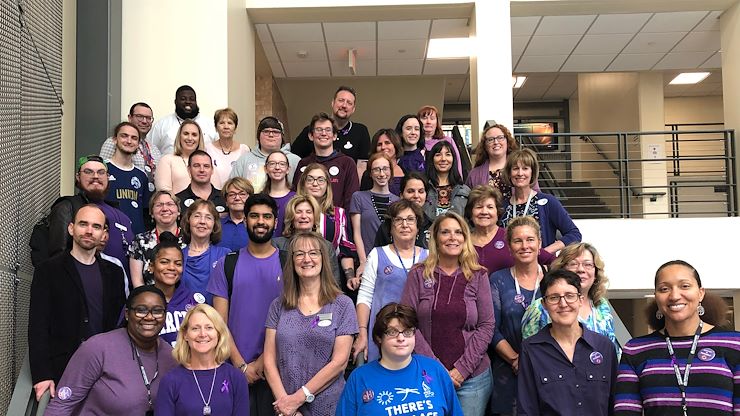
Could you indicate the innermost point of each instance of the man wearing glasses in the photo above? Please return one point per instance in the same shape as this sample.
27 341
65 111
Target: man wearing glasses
251 165
74 296
146 156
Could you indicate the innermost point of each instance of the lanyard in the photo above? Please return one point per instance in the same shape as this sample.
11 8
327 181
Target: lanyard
683 382
147 382
413 259
519 298
526 207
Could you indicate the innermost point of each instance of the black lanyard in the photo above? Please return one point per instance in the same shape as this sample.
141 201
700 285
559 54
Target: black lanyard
147 382
683 382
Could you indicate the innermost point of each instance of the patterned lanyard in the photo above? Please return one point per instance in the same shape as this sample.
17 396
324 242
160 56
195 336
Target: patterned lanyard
683 382
147 382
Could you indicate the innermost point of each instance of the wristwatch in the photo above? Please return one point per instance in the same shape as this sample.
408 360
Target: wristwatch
243 367
309 397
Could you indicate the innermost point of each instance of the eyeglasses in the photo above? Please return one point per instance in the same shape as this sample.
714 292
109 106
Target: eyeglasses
142 117
160 205
90 172
312 254
142 311
393 332
234 195
401 220
311 179
569 297
494 139
274 164
270 132
573 265
383 169
204 217
327 130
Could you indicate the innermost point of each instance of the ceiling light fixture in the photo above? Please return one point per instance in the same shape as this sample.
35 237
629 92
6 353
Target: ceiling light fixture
449 48
352 54
517 81
689 78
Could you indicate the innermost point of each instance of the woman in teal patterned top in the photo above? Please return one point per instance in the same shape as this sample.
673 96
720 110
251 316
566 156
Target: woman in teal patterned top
596 314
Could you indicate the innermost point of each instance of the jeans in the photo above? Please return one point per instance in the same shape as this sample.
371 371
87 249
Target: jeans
474 394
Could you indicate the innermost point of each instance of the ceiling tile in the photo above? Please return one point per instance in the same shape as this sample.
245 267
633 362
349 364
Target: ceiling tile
316 51
673 22
541 80
405 29
338 50
683 60
400 67
607 24
635 61
364 68
450 28
551 45
525 93
710 23
653 42
270 51
297 32
518 43
587 63
277 69
453 86
465 91
564 25
602 44
699 42
549 63
263 33
514 60
446 66
524 26
307 69
714 62
391 49
342 32
563 87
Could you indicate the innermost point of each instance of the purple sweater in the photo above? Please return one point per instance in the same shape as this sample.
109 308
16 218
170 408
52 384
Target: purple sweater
421 294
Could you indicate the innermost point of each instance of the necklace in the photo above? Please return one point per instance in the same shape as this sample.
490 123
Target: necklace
221 145
380 205
206 404
683 382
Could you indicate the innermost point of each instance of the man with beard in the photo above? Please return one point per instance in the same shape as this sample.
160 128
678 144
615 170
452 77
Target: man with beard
127 184
352 139
243 285
92 181
74 295
200 168
147 156
164 131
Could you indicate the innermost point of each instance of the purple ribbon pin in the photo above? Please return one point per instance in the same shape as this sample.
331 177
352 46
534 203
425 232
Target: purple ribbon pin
426 376
315 321
225 386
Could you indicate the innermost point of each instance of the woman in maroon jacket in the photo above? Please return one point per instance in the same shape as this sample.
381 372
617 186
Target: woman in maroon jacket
452 298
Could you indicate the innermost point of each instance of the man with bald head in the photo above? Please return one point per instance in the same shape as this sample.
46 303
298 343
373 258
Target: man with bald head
74 295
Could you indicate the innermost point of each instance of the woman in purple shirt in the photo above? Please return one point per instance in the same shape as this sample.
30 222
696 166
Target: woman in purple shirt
203 383
452 298
490 159
277 185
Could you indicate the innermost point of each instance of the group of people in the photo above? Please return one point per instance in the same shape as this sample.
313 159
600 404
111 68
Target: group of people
253 281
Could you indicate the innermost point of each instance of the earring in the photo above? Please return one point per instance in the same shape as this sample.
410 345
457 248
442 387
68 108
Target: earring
658 315
700 309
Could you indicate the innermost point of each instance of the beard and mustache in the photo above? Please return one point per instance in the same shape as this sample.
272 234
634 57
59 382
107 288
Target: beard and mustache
183 114
260 239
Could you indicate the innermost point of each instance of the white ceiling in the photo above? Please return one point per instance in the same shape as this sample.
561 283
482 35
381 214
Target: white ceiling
550 50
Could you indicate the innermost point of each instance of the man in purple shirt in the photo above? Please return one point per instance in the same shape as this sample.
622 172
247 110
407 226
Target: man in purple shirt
244 298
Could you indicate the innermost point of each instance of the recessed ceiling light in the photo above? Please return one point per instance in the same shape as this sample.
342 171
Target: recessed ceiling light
650 296
302 54
517 81
689 78
448 48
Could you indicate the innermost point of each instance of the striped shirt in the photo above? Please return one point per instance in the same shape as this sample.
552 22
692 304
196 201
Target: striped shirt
647 382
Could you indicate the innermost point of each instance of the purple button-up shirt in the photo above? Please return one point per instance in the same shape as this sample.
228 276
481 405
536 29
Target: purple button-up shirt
550 384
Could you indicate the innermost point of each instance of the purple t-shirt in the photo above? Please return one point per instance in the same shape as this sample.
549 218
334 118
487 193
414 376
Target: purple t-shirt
179 395
496 255
362 203
305 345
182 301
92 284
256 283
120 234
196 270
104 378
279 221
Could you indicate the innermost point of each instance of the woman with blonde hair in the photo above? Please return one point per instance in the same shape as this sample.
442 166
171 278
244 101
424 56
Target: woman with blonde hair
309 334
202 350
594 313
451 295
172 170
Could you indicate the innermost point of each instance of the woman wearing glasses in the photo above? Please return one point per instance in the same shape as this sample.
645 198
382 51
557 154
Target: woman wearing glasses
566 369
451 296
277 185
386 141
594 313
386 271
309 333
118 372
233 231
368 208
382 386
225 151
490 159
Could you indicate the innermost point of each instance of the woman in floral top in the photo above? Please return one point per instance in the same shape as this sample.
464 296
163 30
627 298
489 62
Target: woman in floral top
164 206
595 312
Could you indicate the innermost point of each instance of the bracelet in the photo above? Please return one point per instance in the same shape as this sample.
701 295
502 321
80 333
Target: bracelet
243 367
363 327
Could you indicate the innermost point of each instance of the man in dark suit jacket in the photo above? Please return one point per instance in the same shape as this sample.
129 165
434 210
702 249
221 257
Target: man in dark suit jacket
74 295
